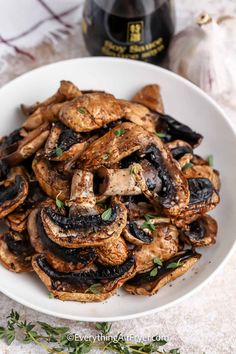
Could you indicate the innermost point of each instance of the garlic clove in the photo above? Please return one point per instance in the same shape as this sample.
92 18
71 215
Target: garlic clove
204 54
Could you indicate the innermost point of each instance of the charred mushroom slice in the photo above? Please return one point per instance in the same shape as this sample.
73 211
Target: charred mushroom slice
204 171
138 114
135 235
113 252
201 232
51 182
165 245
182 152
173 129
66 91
112 147
201 189
85 230
13 192
27 146
15 252
150 96
63 143
148 283
90 111
77 285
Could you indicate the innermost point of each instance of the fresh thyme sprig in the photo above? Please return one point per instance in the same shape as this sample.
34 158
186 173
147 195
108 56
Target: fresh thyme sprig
61 341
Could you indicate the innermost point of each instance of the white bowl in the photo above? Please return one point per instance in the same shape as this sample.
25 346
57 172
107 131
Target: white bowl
186 103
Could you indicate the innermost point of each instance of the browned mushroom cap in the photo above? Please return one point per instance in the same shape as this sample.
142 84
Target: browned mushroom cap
164 245
90 111
82 198
204 171
121 181
150 96
51 182
149 282
26 147
63 143
90 285
34 236
15 252
201 232
84 230
113 252
17 221
66 91
181 151
62 265
13 191
43 114
139 114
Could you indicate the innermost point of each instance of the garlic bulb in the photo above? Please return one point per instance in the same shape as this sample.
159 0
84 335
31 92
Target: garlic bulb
205 53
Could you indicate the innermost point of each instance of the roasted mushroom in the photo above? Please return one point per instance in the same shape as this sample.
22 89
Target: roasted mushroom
16 252
13 191
201 232
204 171
149 282
96 284
150 96
27 146
52 183
173 129
113 252
90 111
85 230
164 245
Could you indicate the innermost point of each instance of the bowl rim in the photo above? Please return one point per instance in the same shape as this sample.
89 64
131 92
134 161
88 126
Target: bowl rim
221 264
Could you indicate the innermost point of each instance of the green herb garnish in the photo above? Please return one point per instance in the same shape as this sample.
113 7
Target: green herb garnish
157 261
105 157
148 225
153 272
119 132
210 160
59 203
134 169
60 340
94 289
50 295
58 151
161 135
174 265
106 215
81 110
187 165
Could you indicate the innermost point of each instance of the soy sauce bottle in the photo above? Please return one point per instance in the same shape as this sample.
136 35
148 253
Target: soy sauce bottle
135 29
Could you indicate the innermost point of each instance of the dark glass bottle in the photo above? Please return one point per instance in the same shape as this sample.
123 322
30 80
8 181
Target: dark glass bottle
135 29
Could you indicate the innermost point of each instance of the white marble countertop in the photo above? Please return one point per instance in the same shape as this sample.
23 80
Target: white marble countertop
203 323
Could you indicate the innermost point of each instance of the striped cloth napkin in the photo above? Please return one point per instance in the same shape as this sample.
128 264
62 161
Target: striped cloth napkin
25 23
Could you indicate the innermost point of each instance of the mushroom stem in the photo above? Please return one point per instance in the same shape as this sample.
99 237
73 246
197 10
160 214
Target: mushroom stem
82 198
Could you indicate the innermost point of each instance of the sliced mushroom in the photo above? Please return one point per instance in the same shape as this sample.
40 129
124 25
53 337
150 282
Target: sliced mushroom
17 221
181 151
76 285
90 111
84 230
63 143
201 232
135 235
165 245
66 91
43 114
150 96
15 252
113 252
138 114
173 129
51 182
112 147
82 198
27 146
147 283
121 181
204 171
13 191
8 142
